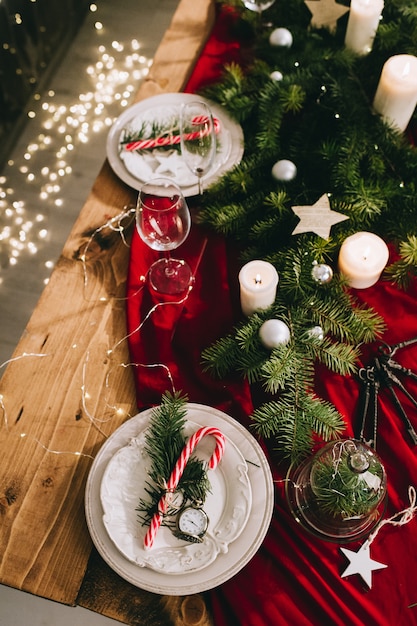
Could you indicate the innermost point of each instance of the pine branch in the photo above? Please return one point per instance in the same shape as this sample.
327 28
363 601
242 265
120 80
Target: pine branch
164 442
404 270
337 357
292 421
320 117
345 322
219 359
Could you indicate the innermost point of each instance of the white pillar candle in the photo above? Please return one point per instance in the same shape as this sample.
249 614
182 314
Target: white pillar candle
396 95
258 286
362 258
364 16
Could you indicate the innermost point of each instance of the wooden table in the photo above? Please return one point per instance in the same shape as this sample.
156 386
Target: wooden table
57 406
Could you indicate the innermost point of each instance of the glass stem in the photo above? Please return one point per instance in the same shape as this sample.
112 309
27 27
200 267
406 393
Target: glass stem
170 271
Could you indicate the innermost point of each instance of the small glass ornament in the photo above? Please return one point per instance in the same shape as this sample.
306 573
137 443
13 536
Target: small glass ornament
338 494
316 332
281 37
322 273
284 170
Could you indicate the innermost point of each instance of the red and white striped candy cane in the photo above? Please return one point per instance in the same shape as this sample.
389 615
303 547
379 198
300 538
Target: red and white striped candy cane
171 140
177 472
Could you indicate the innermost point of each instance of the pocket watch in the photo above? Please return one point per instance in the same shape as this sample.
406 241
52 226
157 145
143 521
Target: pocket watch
192 523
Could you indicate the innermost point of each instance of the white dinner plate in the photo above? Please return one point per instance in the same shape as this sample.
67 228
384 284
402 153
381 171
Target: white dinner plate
227 506
136 168
239 551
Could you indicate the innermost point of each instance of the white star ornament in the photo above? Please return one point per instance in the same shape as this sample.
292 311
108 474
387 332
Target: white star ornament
361 563
317 218
325 13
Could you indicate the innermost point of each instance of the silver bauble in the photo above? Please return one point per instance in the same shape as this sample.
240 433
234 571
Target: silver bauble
316 332
322 273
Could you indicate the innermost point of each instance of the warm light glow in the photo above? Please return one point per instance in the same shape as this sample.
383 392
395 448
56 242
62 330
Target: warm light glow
45 161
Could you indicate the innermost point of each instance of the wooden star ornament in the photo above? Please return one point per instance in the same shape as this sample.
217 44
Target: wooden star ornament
325 13
317 218
361 563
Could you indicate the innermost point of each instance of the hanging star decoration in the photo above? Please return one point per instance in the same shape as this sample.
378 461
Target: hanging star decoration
317 218
325 13
360 561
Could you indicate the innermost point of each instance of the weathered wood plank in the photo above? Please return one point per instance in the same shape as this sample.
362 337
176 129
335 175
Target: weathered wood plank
56 403
122 601
180 48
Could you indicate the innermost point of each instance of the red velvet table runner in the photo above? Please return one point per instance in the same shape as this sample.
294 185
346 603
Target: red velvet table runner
294 579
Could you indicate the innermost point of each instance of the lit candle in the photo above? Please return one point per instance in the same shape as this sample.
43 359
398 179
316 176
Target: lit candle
364 16
362 259
396 95
258 286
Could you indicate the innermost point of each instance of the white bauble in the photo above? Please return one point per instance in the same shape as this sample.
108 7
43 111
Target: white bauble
284 170
276 75
281 37
274 333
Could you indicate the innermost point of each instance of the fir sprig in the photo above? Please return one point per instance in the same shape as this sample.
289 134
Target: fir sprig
404 270
319 116
292 420
164 442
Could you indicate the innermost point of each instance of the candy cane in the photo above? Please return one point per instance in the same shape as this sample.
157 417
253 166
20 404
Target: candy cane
177 472
172 140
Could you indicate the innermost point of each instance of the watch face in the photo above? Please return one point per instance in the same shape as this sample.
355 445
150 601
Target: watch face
193 521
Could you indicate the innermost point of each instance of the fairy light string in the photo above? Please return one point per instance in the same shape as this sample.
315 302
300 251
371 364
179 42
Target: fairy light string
24 355
114 224
65 129
145 366
152 310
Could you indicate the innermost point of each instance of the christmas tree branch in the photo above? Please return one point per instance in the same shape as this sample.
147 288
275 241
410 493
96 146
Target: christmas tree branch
164 442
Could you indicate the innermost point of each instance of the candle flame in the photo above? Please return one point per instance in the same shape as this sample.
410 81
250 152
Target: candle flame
258 279
406 70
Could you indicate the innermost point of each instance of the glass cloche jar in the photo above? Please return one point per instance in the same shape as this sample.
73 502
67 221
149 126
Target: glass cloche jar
339 493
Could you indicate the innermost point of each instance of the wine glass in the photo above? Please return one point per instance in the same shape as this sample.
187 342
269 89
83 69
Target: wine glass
198 138
258 5
163 222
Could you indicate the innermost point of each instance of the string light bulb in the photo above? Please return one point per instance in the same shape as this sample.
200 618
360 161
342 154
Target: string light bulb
45 159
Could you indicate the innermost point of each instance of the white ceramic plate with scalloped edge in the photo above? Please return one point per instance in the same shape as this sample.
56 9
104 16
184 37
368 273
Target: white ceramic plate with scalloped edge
227 506
225 564
137 167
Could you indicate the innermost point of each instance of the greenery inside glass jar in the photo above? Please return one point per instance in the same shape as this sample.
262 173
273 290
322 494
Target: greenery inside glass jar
347 480
339 493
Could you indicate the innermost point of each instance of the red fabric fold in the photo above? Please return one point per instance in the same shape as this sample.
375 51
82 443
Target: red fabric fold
167 334
295 578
